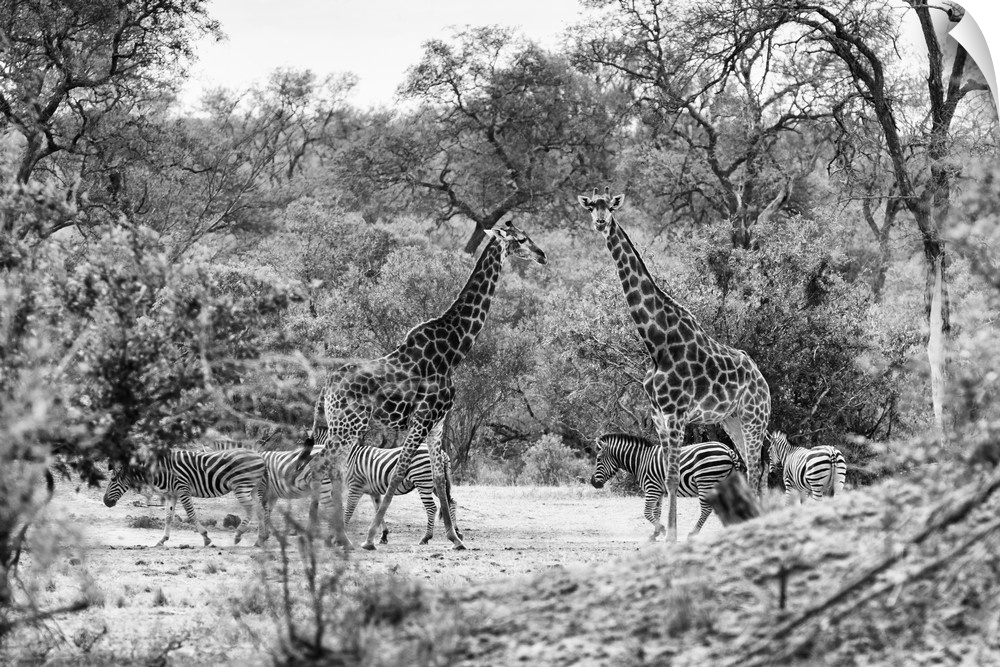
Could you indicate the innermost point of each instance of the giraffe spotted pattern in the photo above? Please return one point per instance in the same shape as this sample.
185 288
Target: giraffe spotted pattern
411 387
693 378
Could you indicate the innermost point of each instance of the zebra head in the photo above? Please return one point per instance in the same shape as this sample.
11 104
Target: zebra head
607 466
122 479
777 450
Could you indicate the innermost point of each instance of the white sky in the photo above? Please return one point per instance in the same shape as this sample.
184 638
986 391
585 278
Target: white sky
379 39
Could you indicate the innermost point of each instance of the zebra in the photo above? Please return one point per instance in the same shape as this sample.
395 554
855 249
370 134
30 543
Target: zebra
817 472
182 474
701 466
285 479
369 470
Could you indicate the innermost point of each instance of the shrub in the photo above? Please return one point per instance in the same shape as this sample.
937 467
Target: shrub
549 462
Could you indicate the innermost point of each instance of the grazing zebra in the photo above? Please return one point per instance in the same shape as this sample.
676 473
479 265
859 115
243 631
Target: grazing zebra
817 472
369 470
183 474
701 465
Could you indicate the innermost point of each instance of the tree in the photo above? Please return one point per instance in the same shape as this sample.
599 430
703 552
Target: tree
502 127
723 115
70 70
860 34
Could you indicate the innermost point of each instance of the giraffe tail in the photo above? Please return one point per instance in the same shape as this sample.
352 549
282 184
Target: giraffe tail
317 406
448 501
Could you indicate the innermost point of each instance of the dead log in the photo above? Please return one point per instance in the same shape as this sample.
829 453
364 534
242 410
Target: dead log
733 501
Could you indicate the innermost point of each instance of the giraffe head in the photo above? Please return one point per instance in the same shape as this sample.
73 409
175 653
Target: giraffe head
601 207
515 243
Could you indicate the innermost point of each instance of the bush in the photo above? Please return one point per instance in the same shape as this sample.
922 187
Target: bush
549 462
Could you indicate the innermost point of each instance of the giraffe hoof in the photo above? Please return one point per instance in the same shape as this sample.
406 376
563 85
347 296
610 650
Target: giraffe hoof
459 547
368 546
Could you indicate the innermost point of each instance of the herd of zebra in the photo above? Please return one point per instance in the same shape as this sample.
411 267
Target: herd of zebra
261 478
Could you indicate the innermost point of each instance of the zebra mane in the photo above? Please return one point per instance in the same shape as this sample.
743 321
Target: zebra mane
626 438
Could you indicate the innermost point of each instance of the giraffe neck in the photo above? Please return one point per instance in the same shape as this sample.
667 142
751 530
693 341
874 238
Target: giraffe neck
446 340
656 314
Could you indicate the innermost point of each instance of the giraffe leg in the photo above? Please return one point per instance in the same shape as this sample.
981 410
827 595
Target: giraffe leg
336 510
427 498
419 429
670 429
193 518
169 521
442 483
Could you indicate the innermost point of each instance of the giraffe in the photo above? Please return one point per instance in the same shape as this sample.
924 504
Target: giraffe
693 378
411 387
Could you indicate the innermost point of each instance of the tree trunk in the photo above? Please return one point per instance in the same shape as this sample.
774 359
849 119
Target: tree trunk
936 338
733 500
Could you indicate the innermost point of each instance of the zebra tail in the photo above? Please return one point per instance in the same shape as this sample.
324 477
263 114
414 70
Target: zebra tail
305 454
831 479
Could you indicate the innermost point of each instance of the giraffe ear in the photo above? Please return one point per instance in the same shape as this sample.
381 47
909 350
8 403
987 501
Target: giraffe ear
584 201
491 233
616 201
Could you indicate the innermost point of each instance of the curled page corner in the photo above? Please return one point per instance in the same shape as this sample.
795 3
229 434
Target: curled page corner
968 33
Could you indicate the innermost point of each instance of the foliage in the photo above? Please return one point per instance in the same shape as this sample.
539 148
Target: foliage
73 73
503 127
337 616
549 462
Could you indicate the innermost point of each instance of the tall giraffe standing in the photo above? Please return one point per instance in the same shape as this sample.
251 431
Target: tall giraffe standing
694 379
411 387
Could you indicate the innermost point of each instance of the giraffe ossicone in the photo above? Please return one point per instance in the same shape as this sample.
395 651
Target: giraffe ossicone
693 378
411 387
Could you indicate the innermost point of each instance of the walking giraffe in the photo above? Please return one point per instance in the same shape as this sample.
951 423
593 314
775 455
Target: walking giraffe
411 387
693 379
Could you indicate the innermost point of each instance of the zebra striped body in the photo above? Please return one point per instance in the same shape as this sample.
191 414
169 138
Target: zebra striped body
183 474
816 472
369 471
284 478
701 467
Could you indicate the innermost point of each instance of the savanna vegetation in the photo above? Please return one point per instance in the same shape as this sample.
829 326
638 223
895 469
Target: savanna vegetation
817 190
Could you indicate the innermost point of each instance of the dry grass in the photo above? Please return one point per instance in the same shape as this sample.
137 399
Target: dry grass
564 576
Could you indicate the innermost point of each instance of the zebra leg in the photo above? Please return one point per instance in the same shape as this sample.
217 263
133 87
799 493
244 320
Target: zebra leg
353 496
169 521
193 518
439 473
706 509
376 499
245 497
267 502
427 498
654 503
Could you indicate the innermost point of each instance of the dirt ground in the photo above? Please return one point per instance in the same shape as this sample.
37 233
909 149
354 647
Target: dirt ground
190 604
